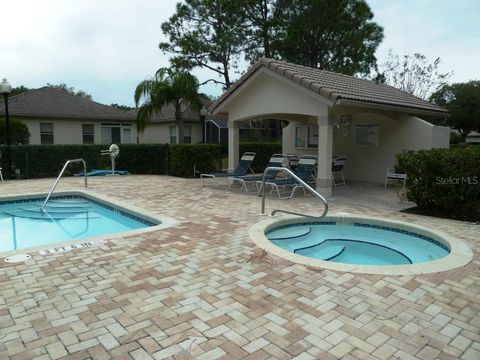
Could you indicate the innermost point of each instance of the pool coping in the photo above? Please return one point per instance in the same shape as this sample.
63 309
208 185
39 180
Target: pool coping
460 252
161 221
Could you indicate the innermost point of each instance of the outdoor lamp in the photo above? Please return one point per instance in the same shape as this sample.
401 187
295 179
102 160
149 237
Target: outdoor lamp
6 89
203 115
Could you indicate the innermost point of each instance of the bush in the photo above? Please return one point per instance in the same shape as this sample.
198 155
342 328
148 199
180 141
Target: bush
263 153
455 138
19 133
444 181
185 157
37 161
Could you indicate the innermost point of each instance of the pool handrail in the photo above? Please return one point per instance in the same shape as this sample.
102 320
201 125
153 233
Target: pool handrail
303 183
60 175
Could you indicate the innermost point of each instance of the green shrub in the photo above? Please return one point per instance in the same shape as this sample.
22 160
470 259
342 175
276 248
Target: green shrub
455 138
37 161
19 133
263 152
444 181
185 157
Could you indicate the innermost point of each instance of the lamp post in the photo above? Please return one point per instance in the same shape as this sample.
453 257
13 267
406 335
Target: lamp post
203 115
6 89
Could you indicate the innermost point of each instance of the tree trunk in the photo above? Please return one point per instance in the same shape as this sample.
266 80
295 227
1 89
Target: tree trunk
179 119
464 134
226 75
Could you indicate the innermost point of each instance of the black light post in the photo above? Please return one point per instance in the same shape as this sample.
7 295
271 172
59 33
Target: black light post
5 89
203 115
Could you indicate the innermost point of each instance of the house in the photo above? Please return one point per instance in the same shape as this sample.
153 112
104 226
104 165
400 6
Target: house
473 137
331 114
56 117
162 127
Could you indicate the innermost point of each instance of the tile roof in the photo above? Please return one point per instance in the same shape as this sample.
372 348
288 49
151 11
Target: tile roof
335 87
47 102
168 114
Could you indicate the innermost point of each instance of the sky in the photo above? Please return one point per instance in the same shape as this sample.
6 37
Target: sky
106 47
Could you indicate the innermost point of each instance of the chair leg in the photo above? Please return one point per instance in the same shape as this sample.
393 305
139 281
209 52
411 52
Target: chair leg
1 175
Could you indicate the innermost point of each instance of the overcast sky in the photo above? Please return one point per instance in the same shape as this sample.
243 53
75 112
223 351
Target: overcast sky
105 47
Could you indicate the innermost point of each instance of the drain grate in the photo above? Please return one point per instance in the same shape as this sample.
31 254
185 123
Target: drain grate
18 258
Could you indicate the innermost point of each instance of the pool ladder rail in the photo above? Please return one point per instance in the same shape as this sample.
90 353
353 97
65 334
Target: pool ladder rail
60 175
303 183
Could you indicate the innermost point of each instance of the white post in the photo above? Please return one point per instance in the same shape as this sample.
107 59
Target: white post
325 149
233 144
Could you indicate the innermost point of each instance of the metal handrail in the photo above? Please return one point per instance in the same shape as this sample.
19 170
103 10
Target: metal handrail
59 176
304 184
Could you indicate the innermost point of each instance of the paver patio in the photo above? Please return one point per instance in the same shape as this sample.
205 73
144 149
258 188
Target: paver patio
202 290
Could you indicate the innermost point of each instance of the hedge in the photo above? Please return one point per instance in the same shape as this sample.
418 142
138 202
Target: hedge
187 158
37 161
263 152
444 181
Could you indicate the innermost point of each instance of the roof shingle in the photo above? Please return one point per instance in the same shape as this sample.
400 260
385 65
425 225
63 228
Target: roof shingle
53 103
335 87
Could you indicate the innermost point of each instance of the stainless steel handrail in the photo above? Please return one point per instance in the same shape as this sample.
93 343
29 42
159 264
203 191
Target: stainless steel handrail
304 184
61 173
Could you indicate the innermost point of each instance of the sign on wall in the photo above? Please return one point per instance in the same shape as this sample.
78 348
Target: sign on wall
366 135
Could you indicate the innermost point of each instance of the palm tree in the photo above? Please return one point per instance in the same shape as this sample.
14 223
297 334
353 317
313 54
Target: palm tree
168 86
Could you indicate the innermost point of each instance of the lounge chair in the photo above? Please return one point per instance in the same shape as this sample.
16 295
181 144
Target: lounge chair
240 170
293 161
392 174
338 162
305 170
1 175
278 160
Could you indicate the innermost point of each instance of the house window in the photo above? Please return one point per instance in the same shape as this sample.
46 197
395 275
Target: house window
87 133
173 134
306 137
46 133
187 134
127 135
116 133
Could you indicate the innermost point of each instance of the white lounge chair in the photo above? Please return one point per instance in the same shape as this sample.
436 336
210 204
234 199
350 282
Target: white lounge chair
338 162
392 175
277 160
1 175
240 170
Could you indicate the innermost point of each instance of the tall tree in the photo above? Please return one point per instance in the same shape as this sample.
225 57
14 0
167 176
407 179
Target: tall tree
121 107
71 90
335 35
207 34
168 86
19 90
414 74
263 20
463 102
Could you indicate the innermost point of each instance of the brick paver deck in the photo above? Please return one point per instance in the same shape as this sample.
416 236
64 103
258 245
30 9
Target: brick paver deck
202 290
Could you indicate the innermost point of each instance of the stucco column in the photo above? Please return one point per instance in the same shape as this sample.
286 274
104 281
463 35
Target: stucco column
325 148
233 144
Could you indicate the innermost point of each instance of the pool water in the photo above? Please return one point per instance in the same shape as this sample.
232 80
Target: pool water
24 225
356 243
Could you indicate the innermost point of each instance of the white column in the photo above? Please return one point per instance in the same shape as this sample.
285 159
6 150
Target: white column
325 148
233 144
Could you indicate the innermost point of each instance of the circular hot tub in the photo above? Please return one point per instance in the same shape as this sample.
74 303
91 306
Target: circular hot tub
360 244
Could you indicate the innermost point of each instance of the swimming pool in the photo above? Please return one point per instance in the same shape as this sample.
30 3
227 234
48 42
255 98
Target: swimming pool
67 217
357 243
361 244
